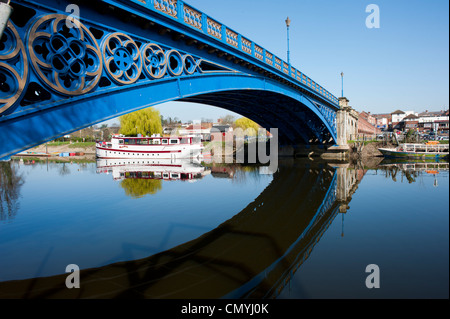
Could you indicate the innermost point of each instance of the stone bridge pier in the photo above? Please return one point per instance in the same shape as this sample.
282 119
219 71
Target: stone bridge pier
346 126
347 182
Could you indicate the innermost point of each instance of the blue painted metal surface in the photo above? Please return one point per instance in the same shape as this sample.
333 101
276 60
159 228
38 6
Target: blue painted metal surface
60 72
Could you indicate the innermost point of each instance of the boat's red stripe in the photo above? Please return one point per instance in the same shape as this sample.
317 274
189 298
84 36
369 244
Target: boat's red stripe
168 165
127 151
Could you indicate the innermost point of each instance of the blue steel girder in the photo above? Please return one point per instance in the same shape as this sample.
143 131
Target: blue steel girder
57 75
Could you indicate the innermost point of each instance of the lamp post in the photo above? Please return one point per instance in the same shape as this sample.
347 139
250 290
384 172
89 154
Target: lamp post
5 12
288 23
342 84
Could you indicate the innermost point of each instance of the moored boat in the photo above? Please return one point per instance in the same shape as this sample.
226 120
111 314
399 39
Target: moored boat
417 151
156 146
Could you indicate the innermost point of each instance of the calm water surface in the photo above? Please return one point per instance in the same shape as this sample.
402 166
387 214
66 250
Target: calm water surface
306 231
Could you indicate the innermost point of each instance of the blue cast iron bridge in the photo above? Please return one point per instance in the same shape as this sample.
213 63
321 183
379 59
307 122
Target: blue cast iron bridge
60 72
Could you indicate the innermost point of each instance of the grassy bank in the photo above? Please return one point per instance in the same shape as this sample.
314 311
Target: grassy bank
72 145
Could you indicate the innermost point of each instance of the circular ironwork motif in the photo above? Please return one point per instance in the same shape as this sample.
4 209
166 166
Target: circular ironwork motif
190 65
175 62
13 68
122 58
67 59
155 61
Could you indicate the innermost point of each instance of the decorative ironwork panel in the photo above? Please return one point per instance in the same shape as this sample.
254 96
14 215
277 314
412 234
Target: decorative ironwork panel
259 53
192 17
286 68
269 58
167 6
122 58
68 60
214 28
13 68
246 46
329 115
278 63
232 38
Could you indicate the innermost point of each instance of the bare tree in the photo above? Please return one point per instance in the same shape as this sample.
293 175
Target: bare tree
10 183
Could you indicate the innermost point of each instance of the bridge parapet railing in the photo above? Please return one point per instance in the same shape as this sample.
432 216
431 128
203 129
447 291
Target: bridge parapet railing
201 22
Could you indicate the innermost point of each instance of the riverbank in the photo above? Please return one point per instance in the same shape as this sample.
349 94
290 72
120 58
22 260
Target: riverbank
357 151
85 151
367 149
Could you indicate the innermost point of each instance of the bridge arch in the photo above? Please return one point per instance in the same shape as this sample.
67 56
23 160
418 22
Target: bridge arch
298 119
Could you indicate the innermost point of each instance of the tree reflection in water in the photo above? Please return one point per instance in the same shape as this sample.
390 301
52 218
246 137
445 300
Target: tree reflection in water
138 188
10 183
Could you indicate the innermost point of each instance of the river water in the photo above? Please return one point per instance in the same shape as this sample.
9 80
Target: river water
189 230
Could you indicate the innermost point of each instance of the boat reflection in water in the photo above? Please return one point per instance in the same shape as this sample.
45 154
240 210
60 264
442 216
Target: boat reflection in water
159 169
412 169
144 177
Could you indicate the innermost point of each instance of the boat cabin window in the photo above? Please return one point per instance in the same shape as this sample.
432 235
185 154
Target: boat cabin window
156 142
120 141
145 141
173 141
109 145
165 141
184 141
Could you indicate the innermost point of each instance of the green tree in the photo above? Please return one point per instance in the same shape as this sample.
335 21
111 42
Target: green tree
247 124
145 122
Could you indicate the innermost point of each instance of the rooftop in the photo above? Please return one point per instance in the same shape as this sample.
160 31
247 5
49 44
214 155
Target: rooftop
411 117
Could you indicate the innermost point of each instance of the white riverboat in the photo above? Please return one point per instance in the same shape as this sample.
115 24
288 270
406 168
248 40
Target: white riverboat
154 147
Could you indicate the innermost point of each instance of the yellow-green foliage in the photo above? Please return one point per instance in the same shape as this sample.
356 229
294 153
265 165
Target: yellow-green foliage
147 122
247 125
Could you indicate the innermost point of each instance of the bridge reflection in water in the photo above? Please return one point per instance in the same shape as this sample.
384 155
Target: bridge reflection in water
252 255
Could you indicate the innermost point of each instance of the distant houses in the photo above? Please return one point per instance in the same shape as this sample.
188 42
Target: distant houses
207 131
400 120
367 124
424 122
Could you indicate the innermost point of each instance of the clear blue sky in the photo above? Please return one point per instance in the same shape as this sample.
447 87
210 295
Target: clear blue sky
402 65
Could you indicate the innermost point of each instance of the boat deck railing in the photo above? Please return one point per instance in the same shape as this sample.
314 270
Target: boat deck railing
424 148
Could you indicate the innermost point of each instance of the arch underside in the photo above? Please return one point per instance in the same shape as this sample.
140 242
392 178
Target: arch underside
296 123
267 102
